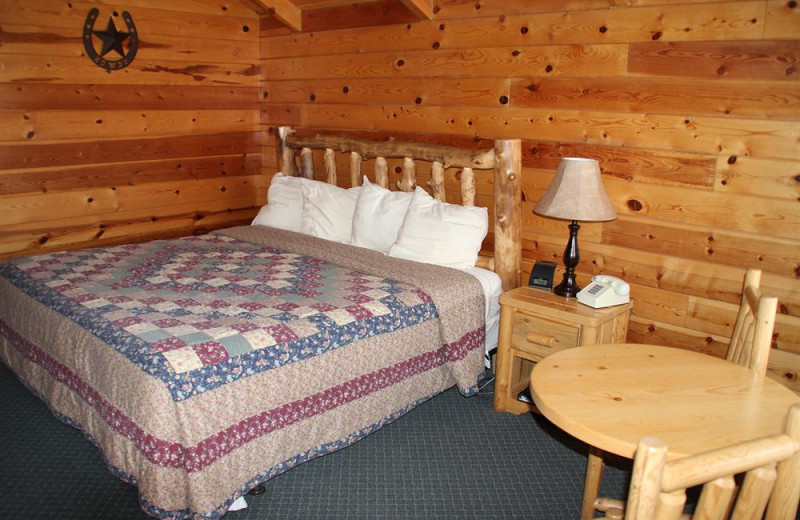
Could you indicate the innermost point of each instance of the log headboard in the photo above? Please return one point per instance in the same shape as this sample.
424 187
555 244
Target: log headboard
504 160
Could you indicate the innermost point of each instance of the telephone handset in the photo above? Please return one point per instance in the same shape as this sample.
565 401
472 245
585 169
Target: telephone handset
605 291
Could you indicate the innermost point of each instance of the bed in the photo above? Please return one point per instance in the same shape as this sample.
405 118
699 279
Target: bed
203 366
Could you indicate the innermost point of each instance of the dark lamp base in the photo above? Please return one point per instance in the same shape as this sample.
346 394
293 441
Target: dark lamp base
567 288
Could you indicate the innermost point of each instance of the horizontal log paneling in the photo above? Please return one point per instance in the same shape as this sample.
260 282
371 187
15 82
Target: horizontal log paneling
554 60
356 15
437 92
767 177
22 40
167 19
39 96
782 20
768 60
775 217
694 115
48 125
222 17
143 71
120 228
60 206
629 164
45 180
708 244
762 99
732 20
15 156
712 135
461 8
168 146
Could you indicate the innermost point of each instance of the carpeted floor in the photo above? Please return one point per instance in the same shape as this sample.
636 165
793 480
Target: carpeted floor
451 458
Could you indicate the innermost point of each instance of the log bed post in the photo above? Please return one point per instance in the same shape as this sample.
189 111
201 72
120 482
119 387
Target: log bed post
437 181
355 169
307 163
285 153
469 187
330 166
382 172
507 218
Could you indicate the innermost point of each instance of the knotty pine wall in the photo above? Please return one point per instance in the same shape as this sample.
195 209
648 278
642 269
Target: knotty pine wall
691 107
168 146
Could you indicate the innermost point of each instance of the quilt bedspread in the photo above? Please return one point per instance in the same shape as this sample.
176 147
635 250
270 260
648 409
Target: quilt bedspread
206 365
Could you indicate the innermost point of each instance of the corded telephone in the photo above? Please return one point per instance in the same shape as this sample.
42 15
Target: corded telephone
605 291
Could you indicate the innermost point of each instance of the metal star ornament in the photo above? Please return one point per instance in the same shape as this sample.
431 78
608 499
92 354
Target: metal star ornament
112 39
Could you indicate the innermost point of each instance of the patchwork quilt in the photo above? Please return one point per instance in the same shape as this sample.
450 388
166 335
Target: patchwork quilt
206 365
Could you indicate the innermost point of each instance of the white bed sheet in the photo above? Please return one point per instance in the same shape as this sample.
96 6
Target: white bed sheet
492 289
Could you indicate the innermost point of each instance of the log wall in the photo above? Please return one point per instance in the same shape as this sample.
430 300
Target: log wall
692 108
168 146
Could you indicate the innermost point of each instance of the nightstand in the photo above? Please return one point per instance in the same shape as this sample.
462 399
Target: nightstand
534 324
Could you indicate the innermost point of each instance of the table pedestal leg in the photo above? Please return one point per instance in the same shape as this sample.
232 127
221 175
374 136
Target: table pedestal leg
591 486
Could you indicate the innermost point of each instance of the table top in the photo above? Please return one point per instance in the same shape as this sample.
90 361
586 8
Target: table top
610 396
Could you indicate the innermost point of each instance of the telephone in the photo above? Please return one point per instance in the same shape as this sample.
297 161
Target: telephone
605 291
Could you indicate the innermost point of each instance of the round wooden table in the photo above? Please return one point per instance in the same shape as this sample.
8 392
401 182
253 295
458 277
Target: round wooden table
609 396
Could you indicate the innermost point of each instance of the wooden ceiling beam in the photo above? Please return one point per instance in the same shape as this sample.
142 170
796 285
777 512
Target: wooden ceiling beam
285 11
423 9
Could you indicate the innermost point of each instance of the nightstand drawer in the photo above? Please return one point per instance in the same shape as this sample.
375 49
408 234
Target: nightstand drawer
541 336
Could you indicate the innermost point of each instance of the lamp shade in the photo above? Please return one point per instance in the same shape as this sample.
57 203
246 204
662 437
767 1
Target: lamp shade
576 193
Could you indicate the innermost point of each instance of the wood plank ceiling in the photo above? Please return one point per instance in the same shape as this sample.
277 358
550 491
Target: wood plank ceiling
315 15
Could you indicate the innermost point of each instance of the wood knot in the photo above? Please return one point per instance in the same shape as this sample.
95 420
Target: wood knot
635 205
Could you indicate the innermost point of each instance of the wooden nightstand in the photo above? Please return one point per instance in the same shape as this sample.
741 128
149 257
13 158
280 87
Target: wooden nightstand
534 324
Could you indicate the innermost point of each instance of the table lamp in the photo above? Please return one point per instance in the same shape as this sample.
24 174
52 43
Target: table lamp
576 193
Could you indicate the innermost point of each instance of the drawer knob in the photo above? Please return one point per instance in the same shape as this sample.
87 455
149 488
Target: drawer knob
541 339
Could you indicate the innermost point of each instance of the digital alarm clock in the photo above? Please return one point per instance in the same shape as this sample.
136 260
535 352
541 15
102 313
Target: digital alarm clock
542 275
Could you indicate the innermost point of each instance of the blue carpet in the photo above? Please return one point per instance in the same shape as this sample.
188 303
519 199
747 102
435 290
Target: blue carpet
451 458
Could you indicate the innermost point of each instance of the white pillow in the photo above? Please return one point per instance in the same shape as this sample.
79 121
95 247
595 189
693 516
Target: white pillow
439 233
328 211
378 216
284 207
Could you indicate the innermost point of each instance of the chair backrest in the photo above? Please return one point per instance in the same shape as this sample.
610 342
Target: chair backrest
752 333
771 468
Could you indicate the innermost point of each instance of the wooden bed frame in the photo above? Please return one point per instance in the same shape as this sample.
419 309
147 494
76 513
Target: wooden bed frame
504 159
